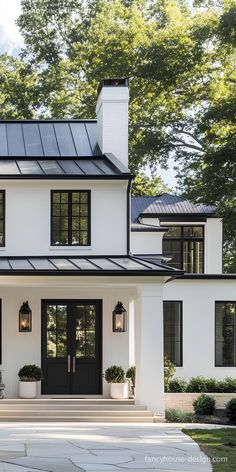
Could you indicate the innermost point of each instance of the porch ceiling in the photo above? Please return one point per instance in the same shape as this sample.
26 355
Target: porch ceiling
93 265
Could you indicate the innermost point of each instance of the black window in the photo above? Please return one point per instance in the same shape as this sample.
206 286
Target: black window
173 327
186 246
70 218
225 334
2 218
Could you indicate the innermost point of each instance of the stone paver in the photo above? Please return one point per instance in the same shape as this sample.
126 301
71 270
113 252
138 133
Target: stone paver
64 447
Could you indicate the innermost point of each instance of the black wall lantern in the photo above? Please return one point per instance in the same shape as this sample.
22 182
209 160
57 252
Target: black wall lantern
119 316
25 318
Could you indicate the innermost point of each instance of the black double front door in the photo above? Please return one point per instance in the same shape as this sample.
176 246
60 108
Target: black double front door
72 347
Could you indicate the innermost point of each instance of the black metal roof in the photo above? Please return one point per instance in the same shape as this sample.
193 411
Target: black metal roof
106 166
93 265
142 228
50 138
166 205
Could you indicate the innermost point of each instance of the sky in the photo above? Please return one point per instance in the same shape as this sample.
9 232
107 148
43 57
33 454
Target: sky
11 42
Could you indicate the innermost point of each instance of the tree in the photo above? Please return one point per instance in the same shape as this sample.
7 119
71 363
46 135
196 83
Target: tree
148 185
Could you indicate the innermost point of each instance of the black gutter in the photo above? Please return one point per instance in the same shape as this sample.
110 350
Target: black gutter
128 216
208 276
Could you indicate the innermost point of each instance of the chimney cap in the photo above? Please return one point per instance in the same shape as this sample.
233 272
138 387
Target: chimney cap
113 83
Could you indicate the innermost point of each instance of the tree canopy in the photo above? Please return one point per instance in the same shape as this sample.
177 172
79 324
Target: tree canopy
180 59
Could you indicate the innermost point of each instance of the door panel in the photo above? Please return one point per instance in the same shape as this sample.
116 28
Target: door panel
72 347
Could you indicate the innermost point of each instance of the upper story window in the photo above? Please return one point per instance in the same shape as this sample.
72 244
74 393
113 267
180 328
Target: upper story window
225 334
70 218
186 245
2 218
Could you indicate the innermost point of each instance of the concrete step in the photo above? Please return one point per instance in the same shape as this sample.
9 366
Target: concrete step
66 401
85 412
79 419
10 407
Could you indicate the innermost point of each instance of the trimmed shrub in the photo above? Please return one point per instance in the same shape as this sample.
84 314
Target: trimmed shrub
204 405
231 410
211 385
229 385
177 385
115 374
177 416
30 373
197 384
131 374
169 370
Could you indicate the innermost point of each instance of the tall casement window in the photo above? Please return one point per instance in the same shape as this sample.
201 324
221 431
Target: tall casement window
225 334
173 331
186 245
70 218
2 218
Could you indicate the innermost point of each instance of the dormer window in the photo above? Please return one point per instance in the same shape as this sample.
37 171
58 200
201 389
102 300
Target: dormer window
186 246
70 218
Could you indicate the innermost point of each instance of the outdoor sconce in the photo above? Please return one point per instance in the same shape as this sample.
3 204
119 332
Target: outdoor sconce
119 316
25 318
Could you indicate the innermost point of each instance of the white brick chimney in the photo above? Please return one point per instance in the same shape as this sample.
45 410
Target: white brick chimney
112 118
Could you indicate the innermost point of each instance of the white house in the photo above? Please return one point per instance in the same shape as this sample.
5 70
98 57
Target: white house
70 248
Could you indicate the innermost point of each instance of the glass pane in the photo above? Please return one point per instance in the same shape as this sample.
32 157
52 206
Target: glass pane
193 256
83 224
64 197
80 317
61 318
56 197
174 232
193 231
90 317
61 344
83 238
51 344
80 343
173 248
173 331
225 334
90 344
51 317
84 197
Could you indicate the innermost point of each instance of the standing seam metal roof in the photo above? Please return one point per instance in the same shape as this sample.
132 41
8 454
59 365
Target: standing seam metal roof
167 204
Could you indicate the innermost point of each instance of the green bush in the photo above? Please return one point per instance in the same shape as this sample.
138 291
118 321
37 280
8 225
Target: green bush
115 374
130 374
231 410
177 416
177 385
197 384
211 385
204 405
229 385
169 370
30 373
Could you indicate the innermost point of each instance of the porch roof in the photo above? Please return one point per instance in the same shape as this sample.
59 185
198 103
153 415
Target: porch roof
92 265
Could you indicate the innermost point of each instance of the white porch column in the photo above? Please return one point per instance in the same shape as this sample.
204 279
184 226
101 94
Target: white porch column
149 347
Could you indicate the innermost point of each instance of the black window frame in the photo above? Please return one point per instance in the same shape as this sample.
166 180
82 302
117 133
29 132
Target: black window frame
182 239
180 302
70 192
3 192
232 302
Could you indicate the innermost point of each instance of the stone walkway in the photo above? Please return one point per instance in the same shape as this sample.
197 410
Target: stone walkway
63 447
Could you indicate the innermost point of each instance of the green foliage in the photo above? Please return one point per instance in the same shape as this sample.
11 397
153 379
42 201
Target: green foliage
150 186
115 374
177 385
231 410
131 374
169 370
204 405
30 373
177 416
197 384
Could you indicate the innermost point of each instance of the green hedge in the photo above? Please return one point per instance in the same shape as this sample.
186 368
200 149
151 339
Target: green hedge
202 385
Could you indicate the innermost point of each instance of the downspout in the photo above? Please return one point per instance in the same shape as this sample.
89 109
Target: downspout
128 215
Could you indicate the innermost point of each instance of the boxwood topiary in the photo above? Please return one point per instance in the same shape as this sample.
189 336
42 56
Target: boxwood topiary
30 373
115 374
204 405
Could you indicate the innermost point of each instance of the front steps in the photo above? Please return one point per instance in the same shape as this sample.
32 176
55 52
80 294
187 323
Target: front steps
75 410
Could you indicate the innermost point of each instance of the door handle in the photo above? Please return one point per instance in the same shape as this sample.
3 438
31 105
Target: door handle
73 364
68 363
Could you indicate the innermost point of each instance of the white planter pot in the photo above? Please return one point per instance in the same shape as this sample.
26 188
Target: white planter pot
28 389
119 390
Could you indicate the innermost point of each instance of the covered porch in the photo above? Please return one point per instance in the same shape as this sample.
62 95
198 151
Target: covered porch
140 291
